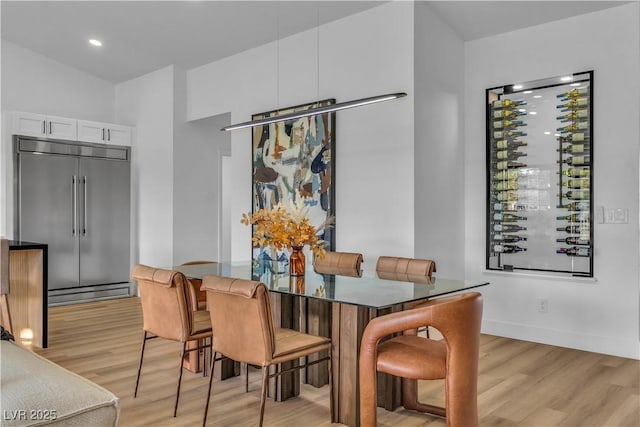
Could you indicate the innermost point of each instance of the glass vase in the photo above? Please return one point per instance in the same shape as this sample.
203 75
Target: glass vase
296 261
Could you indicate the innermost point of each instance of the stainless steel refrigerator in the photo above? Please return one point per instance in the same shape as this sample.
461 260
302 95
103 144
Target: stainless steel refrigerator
76 198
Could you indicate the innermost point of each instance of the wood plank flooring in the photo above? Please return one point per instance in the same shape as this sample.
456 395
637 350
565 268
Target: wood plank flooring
520 383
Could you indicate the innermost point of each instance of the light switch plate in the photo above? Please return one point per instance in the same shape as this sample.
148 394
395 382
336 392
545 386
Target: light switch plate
616 216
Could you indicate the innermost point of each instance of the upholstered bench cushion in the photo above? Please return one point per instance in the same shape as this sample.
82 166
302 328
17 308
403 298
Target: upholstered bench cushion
35 391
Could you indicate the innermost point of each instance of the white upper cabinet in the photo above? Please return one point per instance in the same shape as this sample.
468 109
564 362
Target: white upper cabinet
103 133
46 126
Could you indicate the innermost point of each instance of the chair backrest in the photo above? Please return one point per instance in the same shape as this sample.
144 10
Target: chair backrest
195 290
4 266
339 263
166 304
241 319
405 269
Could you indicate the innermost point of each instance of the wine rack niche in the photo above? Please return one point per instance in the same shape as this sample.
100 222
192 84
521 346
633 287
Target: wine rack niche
539 175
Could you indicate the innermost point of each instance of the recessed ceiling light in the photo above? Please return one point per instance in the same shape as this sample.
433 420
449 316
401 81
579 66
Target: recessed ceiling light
528 91
537 96
547 133
532 113
556 134
574 84
516 87
566 78
95 42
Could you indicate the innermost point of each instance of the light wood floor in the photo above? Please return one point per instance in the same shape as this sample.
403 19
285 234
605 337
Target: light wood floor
520 384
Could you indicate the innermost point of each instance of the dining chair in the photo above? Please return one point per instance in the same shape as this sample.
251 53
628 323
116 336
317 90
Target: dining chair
168 312
339 263
244 331
405 269
4 285
198 295
412 357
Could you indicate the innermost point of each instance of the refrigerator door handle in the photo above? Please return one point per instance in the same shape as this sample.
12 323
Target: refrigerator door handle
84 206
74 205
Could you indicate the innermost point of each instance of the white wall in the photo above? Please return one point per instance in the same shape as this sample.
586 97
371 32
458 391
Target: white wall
601 315
439 143
34 83
197 147
362 55
147 102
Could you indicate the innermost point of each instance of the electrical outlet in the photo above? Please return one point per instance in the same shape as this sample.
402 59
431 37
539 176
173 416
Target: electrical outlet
543 305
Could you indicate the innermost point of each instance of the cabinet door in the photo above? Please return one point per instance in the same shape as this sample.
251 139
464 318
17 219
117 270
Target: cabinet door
29 124
118 135
62 128
91 131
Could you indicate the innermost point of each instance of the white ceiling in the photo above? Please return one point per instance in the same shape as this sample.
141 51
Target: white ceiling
143 36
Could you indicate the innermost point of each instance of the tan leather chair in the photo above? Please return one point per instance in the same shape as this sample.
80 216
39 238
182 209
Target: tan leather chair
339 263
454 359
4 285
198 295
168 312
405 269
244 331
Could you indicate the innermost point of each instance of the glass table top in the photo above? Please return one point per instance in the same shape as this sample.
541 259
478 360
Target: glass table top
367 291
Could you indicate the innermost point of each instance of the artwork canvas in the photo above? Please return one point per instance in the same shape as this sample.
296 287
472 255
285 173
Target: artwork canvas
295 156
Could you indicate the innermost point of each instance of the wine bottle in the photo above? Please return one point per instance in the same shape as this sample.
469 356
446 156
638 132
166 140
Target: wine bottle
507 155
505 185
578 160
575 229
579 217
574 241
504 144
499 134
508 238
576 206
507 103
581 114
573 127
506 114
576 183
574 93
577 172
508 249
507 124
508 174
508 217
507 196
508 228
573 104
574 149
575 251
508 165
577 137
577 195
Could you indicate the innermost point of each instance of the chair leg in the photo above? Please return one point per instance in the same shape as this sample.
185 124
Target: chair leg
6 314
184 350
206 407
246 384
263 396
144 341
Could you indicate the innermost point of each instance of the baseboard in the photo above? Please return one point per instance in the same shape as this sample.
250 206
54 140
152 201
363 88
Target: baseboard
561 338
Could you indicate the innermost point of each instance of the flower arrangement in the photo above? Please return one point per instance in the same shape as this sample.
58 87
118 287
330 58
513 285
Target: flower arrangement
286 226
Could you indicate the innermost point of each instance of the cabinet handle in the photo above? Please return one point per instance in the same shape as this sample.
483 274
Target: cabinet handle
50 127
44 127
108 134
84 207
103 134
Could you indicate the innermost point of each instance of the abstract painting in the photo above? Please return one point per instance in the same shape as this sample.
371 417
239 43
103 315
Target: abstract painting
295 157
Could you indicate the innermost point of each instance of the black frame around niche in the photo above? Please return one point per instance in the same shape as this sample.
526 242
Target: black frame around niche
509 89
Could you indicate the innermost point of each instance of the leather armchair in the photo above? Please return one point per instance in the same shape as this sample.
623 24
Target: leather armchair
168 312
405 269
454 359
244 331
339 263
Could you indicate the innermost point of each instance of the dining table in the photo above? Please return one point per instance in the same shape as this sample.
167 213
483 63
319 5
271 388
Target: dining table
338 307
